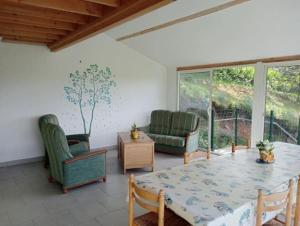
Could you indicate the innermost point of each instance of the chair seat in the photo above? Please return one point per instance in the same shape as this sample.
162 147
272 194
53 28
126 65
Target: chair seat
273 223
168 140
151 219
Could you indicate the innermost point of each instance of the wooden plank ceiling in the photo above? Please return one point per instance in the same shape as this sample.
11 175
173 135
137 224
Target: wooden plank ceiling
60 23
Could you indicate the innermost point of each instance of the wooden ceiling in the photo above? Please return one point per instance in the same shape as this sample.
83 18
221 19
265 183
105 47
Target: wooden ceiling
60 23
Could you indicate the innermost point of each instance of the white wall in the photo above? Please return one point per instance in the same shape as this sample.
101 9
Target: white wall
254 29
172 91
32 81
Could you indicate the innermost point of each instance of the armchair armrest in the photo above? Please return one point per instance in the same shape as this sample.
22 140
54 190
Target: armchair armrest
71 142
80 137
84 156
192 140
145 129
84 168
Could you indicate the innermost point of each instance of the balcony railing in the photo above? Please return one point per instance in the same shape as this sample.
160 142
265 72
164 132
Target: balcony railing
236 118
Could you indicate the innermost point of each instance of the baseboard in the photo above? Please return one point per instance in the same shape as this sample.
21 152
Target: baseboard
21 161
41 158
109 148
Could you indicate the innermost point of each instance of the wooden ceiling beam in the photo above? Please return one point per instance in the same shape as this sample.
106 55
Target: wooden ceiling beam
14 8
73 6
29 34
27 20
126 12
7 38
111 3
18 27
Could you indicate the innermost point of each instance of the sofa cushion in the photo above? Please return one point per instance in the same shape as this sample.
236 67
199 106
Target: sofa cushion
80 148
183 123
160 122
168 140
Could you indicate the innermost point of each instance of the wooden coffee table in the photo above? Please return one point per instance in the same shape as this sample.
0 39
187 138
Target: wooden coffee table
135 153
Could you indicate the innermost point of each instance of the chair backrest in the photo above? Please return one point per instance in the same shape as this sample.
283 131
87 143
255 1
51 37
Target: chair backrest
297 207
195 155
183 123
49 118
146 199
43 120
160 122
275 202
58 149
235 147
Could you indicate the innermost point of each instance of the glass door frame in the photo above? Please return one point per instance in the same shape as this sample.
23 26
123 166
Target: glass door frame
210 70
259 97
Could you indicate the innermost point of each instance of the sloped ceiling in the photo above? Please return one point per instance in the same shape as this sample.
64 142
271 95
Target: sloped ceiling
255 29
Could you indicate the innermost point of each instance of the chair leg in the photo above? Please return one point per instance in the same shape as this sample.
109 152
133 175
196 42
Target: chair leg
46 161
51 179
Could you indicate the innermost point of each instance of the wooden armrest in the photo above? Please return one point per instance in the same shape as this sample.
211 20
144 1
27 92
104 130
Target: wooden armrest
85 156
71 142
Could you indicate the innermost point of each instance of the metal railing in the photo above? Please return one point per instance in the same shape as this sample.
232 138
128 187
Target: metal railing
272 123
235 118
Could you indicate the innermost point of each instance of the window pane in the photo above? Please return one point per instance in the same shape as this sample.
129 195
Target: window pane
283 98
232 92
194 95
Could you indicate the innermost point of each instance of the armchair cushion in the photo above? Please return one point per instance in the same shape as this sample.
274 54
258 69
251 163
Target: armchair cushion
160 122
80 148
168 140
183 123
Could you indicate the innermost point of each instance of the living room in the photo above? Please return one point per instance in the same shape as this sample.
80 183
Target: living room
138 71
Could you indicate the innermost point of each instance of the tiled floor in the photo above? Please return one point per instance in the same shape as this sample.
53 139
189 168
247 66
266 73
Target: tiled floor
27 199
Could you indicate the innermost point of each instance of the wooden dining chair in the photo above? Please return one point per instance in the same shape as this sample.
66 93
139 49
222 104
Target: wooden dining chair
297 206
195 155
275 202
235 147
158 215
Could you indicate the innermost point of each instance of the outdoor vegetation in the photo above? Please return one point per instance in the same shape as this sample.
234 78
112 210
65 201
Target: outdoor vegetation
232 88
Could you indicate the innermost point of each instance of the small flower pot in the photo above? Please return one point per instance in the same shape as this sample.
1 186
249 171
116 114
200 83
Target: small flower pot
134 134
266 156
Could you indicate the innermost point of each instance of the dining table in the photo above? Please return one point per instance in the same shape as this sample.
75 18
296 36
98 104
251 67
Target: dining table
223 191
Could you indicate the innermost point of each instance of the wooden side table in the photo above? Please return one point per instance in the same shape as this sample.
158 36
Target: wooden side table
135 153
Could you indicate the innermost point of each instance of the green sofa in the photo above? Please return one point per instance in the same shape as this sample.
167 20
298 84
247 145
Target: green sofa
78 143
173 132
68 170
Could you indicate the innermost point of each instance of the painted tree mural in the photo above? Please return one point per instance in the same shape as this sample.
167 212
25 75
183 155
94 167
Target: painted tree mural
88 89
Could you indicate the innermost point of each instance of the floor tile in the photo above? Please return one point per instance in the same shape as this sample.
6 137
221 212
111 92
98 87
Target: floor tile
28 199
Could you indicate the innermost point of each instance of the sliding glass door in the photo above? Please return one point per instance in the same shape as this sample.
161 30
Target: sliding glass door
283 104
195 96
232 99
228 92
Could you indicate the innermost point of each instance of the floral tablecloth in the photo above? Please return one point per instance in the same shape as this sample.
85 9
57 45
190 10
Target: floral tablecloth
223 191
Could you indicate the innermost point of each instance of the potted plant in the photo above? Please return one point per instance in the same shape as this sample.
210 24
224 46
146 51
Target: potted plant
265 151
134 132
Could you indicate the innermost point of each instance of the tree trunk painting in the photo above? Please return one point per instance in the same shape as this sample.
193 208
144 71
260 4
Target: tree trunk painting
88 89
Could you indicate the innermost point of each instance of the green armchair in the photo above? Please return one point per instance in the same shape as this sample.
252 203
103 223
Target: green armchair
173 132
78 143
68 170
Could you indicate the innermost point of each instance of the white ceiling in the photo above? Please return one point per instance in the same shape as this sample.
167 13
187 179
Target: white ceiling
255 29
